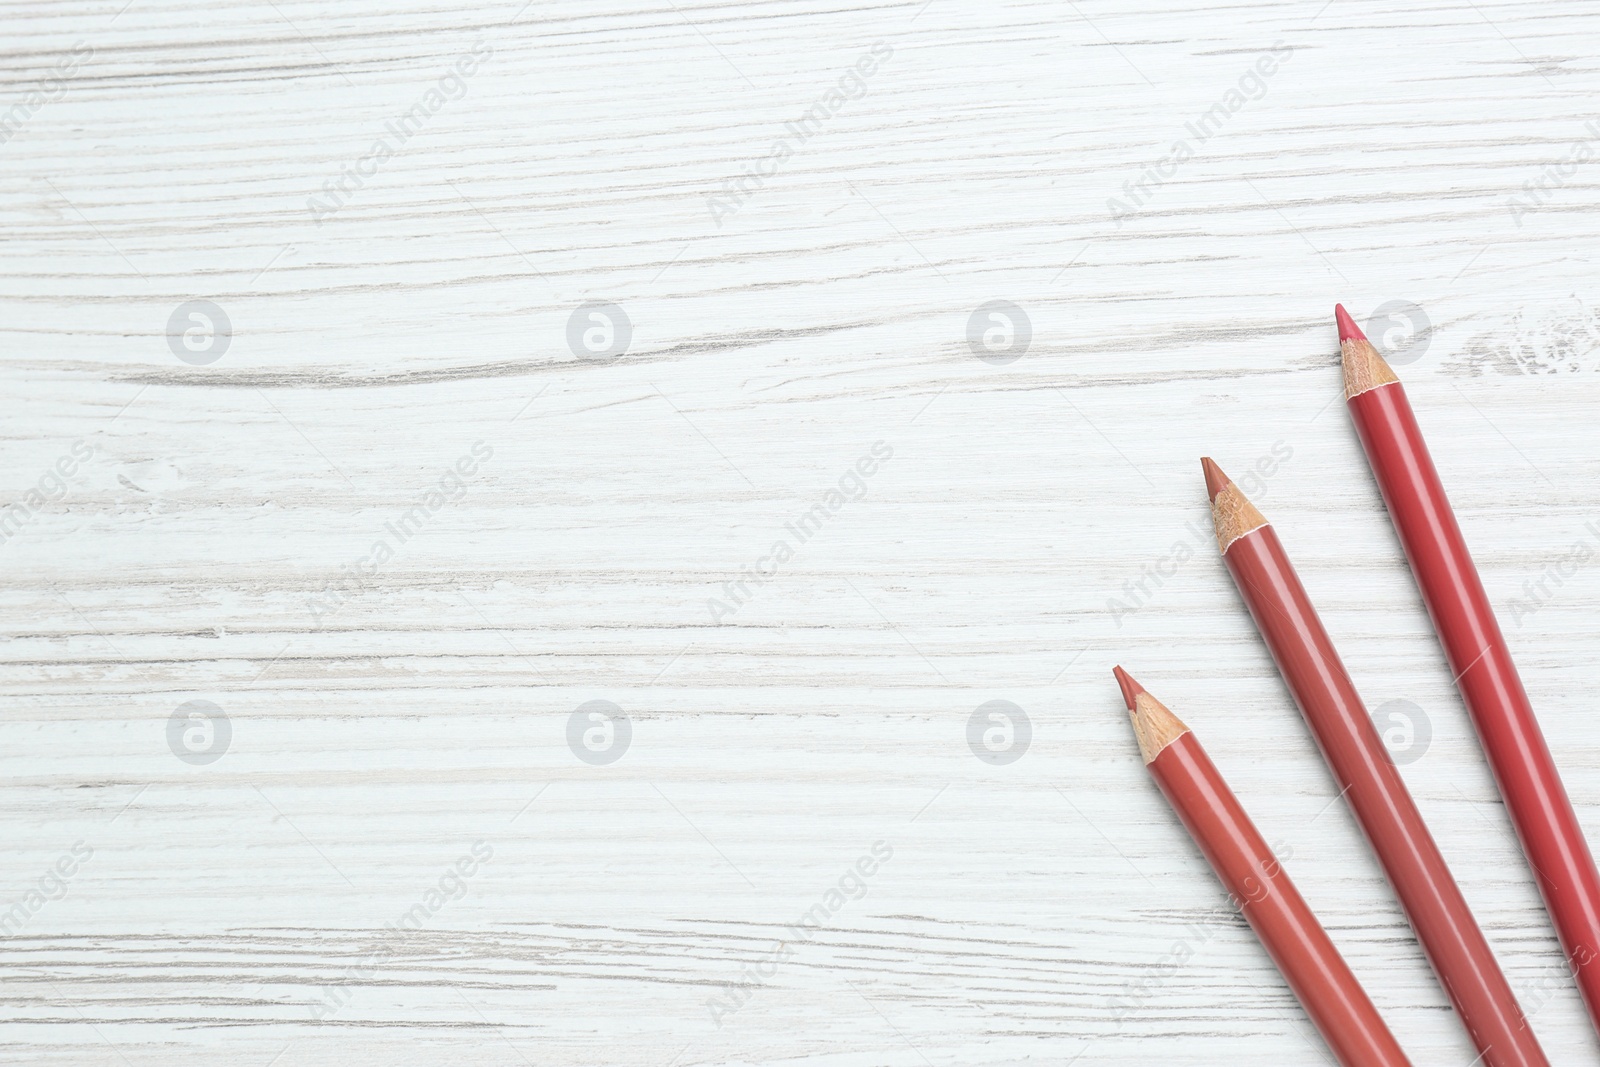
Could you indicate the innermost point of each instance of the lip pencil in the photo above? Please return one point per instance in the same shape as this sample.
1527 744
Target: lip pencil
1551 837
1369 780
1260 888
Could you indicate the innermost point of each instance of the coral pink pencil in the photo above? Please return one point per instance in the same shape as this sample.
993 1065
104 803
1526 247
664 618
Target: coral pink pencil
1259 886
1369 780
1551 838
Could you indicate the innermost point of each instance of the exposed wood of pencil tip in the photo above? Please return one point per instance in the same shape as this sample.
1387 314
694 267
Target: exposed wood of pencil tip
1364 369
1231 511
1154 726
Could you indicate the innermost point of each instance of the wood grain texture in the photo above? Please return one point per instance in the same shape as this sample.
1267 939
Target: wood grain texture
1036 520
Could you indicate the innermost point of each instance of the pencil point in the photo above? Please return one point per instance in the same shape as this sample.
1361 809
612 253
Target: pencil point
1216 481
1130 688
1154 727
1348 330
1231 511
1364 369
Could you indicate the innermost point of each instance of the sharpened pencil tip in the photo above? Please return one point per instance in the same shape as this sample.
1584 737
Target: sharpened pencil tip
1130 688
1231 511
1154 727
1364 368
1348 330
1216 481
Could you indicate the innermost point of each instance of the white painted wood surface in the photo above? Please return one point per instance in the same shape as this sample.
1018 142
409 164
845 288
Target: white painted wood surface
1046 910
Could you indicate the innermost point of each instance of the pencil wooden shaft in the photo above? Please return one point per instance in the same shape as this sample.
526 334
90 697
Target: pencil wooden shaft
1551 836
1372 786
1269 901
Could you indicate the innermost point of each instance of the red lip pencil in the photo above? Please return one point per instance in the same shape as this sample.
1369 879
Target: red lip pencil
1319 976
1551 838
1371 783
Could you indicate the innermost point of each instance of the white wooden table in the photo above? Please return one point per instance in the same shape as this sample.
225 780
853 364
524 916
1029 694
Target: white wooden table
408 216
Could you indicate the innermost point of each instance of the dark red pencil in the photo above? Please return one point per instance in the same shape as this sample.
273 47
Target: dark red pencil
1551 838
1371 783
1260 887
